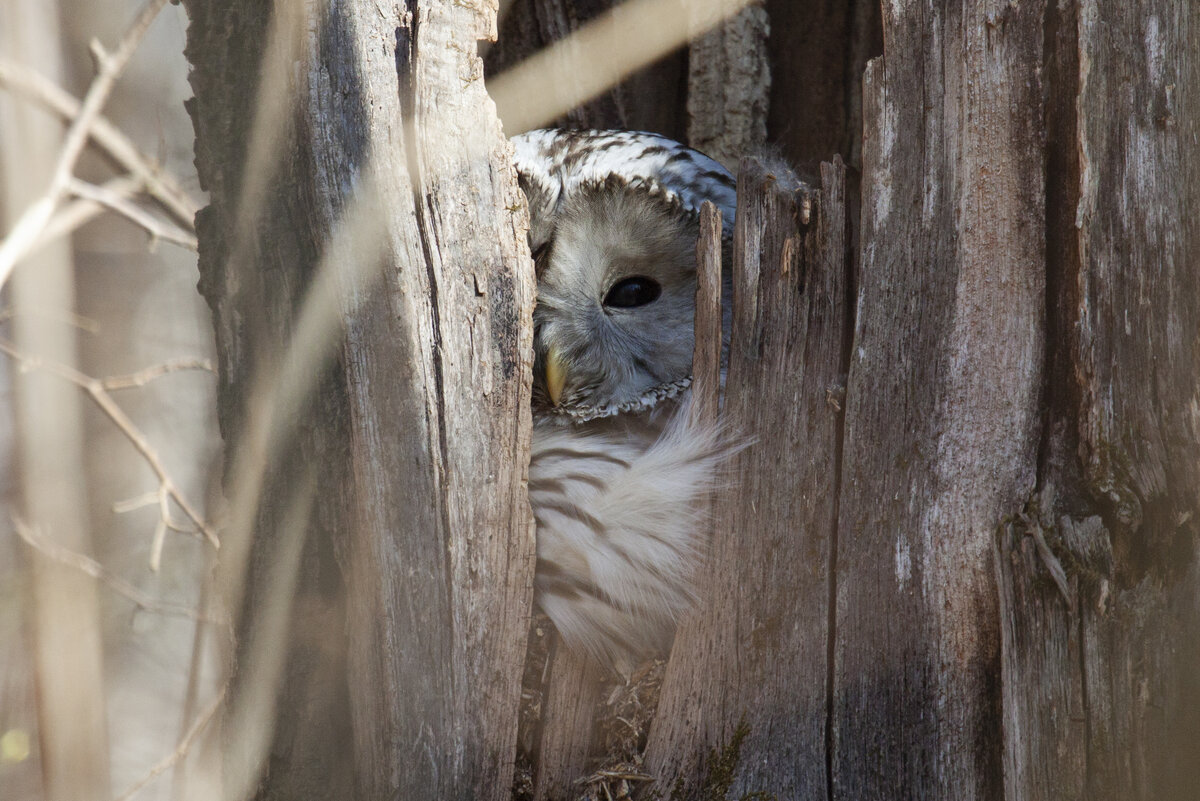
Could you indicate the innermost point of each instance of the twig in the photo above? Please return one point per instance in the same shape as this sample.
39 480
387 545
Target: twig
108 67
145 376
75 213
85 564
119 202
65 317
99 394
627 775
158 183
181 750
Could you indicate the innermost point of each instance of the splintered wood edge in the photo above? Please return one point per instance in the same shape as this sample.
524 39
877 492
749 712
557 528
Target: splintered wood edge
706 358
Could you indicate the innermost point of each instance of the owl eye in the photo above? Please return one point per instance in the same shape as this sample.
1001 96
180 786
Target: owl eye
637 290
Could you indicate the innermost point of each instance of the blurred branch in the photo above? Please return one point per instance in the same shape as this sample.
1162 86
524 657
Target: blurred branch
33 221
78 212
181 750
98 392
599 55
65 317
145 376
120 203
157 182
85 564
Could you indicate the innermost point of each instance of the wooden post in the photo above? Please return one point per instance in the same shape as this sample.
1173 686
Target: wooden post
364 204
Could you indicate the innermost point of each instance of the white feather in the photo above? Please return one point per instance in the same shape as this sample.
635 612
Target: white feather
635 572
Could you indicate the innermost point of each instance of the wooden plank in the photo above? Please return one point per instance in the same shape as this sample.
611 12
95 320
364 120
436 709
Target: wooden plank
747 652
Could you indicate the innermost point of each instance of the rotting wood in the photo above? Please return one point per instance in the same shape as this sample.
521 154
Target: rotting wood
746 653
406 637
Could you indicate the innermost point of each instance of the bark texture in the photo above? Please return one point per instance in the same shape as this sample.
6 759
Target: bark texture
405 637
729 83
1099 585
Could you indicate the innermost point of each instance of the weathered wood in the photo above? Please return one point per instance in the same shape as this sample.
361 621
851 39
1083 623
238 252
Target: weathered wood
729 85
1139 234
818 52
942 417
1102 698
706 359
755 649
407 635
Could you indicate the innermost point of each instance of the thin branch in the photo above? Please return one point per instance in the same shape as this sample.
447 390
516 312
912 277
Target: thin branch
74 214
85 564
167 762
143 377
99 394
57 315
158 183
119 202
108 67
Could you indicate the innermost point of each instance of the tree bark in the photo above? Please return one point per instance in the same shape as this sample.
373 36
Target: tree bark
729 83
385 184
1101 694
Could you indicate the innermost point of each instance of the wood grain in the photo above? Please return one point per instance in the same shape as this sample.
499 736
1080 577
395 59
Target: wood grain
407 633
568 726
729 86
1102 699
706 358
755 648
942 404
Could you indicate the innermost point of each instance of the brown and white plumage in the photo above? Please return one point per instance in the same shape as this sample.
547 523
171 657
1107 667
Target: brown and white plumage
618 468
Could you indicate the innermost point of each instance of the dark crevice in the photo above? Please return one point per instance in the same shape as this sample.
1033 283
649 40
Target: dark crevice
1062 399
848 309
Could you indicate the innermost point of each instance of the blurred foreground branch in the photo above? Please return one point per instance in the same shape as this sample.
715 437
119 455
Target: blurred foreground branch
159 184
181 750
89 566
98 392
109 67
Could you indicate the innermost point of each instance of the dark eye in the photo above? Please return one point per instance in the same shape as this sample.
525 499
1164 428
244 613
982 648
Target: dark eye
630 292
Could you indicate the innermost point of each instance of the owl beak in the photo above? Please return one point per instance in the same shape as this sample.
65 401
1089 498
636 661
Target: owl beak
556 376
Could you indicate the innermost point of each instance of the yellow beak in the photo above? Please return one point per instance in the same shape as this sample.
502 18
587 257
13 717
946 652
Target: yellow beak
556 376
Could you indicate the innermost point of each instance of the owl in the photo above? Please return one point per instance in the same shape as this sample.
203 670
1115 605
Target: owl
618 468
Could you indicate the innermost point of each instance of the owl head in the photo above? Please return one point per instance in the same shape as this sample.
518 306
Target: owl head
613 229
